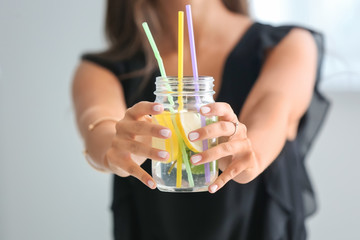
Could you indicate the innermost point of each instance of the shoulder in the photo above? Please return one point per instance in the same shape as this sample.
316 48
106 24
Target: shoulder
89 69
295 47
293 36
289 43
300 37
104 62
289 63
297 42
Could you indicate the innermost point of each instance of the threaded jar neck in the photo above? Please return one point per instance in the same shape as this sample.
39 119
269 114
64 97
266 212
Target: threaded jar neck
187 87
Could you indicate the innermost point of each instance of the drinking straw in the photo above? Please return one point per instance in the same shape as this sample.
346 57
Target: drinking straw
159 60
180 57
180 83
196 79
180 97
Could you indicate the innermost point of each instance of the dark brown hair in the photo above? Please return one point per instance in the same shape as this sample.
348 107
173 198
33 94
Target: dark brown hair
125 34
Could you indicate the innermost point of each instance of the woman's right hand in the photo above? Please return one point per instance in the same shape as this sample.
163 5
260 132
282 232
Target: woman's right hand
131 145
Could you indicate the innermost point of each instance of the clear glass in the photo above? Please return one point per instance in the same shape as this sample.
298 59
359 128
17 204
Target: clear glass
182 101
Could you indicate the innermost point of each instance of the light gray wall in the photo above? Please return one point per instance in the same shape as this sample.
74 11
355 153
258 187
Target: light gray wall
335 19
334 167
47 191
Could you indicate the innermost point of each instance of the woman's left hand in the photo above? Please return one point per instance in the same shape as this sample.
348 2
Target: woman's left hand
235 154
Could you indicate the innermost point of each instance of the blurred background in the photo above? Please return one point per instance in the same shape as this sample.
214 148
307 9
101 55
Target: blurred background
47 190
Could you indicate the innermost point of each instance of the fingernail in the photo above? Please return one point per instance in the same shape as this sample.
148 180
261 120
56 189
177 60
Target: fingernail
163 154
151 184
196 159
205 109
157 108
165 132
213 188
193 136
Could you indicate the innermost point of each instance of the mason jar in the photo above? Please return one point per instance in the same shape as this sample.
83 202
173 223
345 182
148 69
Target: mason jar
182 99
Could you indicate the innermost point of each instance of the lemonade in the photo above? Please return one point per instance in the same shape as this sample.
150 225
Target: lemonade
178 173
182 99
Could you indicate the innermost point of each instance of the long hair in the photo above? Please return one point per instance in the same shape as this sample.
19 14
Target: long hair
125 35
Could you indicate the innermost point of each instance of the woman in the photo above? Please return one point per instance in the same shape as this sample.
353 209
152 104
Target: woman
268 106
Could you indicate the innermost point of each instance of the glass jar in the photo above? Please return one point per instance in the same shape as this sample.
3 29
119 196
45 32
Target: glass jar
182 101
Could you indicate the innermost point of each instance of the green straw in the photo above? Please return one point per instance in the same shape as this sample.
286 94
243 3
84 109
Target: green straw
159 60
154 48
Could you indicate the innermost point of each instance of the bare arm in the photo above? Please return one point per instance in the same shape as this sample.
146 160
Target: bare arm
281 95
97 93
271 112
120 147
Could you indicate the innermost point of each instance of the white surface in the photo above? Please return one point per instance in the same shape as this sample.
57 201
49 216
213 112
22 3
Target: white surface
47 191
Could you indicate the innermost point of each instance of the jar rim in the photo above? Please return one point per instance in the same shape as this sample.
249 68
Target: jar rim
189 87
187 79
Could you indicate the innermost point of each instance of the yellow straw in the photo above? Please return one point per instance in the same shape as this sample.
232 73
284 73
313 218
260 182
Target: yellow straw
180 84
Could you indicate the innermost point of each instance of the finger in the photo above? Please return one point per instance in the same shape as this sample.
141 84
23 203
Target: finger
220 109
143 150
225 149
234 169
119 165
143 108
142 128
218 129
136 171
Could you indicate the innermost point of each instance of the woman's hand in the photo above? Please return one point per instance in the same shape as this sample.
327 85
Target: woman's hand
235 153
132 143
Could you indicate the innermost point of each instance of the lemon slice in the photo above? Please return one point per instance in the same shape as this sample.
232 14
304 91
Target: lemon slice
187 122
171 144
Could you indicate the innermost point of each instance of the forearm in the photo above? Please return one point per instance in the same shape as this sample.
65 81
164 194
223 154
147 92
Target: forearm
268 127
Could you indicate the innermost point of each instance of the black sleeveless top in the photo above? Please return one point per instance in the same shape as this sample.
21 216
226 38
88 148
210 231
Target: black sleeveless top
272 207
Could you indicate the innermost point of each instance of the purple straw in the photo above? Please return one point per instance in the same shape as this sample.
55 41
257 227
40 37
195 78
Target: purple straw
196 79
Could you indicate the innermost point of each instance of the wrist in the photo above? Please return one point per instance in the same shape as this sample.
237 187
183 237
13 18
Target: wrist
94 164
98 141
